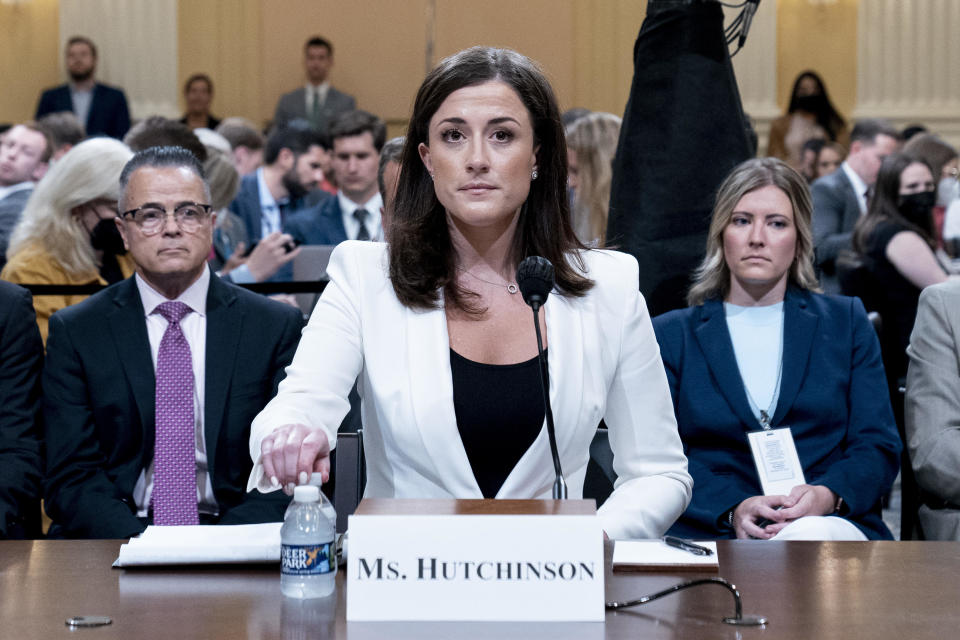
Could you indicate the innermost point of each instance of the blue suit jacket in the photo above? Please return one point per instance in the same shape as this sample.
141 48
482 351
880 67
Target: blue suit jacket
98 385
320 224
109 115
833 396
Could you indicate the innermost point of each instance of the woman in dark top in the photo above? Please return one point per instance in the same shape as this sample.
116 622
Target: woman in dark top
434 331
810 114
896 240
198 94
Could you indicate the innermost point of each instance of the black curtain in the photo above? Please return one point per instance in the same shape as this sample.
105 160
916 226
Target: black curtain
683 131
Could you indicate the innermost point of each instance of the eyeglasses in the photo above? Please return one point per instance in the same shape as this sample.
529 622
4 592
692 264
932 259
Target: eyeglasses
151 219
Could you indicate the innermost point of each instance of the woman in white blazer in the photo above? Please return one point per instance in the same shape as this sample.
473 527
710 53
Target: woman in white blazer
441 343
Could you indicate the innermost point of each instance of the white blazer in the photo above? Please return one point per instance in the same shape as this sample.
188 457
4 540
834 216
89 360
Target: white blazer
604 362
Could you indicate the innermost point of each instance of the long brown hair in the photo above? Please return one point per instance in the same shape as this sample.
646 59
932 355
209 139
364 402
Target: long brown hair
884 205
422 257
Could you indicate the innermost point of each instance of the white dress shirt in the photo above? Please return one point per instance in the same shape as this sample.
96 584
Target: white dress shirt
194 326
859 186
81 103
270 220
352 226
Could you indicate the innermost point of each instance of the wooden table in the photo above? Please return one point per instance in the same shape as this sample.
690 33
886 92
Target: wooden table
901 590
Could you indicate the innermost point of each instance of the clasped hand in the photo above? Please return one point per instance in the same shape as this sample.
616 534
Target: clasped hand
779 511
292 452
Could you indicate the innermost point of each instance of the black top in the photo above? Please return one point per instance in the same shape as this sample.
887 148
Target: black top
897 299
212 123
500 412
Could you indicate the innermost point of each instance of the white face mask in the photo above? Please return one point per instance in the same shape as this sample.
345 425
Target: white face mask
948 191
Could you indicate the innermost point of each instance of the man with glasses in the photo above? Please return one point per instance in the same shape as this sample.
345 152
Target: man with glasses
150 386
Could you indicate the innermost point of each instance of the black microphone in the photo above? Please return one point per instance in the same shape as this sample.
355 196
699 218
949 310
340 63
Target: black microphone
535 279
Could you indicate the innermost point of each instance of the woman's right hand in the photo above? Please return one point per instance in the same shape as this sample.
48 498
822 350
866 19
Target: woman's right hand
292 452
751 511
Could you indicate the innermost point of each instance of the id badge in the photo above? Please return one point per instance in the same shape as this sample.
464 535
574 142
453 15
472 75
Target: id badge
776 460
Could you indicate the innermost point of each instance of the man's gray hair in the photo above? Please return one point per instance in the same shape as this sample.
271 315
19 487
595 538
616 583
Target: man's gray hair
162 157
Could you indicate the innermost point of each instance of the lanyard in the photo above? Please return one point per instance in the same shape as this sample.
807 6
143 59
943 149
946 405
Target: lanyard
764 416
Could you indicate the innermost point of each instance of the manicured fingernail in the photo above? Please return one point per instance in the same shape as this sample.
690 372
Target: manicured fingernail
304 477
274 481
291 487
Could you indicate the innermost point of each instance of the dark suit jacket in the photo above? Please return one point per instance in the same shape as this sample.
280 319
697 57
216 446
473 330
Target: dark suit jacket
293 105
21 358
320 224
10 209
108 115
833 396
836 209
99 405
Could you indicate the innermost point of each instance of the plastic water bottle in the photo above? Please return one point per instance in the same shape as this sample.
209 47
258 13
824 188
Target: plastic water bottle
308 557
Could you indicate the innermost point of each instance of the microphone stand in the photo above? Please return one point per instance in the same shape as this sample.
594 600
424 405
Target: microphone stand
559 485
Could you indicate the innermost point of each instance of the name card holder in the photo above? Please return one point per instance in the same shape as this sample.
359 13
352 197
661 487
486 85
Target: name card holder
475 560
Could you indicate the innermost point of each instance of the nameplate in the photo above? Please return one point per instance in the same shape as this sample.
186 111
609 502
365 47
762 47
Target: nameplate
475 560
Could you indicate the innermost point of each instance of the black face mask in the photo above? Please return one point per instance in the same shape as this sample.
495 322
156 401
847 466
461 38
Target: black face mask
810 104
916 207
106 237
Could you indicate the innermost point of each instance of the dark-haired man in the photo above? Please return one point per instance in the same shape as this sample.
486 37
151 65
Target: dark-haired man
100 108
317 101
150 386
839 199
354 213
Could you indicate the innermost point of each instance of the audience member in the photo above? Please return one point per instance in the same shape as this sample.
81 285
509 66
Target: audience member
810 114
933 409
21 358
461 371
808 163
896 240
388 174
198 95
64 130
247 144
591 145
101 109
911 131
268 196
66 234
839 199
760 349
828 159
317 102
573 114
354 213
157 131
25 152
150 386
944 161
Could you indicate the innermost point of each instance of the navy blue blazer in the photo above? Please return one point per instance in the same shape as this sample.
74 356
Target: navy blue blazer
833 396
109 115
98 404
320 224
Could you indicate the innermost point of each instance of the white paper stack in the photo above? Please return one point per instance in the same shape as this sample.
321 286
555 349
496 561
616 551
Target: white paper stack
203 544
654 555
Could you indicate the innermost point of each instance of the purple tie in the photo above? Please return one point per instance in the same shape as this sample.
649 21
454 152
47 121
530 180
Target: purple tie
174 462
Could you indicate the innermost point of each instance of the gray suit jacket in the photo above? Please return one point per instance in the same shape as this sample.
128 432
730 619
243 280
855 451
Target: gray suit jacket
10 209
933 409
294 105
836 210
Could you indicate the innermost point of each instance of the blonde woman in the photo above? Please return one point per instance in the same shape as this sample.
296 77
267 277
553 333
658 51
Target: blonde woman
591 145
760 349
67 233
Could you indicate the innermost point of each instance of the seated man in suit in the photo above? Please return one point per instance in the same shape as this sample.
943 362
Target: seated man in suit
21 358
354 214
292 169
150 386
25 152
839 199
932 411
101 109
317 101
